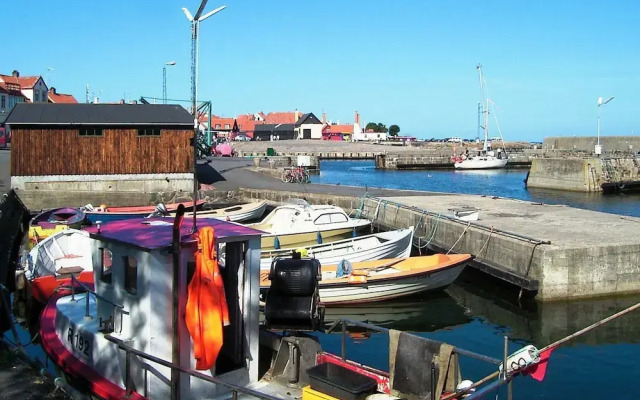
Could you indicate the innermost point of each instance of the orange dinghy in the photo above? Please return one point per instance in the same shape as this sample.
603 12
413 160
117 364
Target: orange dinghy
206 310
379 280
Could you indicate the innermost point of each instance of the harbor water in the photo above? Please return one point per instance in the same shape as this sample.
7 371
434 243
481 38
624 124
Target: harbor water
477 312
502 183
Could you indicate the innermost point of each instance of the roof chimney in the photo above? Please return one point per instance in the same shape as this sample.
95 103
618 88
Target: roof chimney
296 115
52 90
324 118
356 118
15 73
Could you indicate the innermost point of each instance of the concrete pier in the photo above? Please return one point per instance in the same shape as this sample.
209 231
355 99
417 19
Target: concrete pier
582 174
555 252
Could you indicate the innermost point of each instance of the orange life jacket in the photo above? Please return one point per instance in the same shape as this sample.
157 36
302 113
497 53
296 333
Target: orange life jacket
206 310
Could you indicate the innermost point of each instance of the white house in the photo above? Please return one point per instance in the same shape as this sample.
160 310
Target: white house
360 135
10 95
30 88
308 127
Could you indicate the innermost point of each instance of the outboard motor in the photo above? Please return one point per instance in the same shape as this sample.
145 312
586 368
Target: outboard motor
160 211
293 300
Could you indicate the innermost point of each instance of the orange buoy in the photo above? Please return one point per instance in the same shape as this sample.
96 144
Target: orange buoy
206 310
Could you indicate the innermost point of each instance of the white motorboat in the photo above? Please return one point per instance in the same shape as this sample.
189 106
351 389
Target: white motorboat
392 244
485 158
235 213
301 224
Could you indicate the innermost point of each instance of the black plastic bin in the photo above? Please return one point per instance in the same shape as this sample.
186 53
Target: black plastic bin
340 382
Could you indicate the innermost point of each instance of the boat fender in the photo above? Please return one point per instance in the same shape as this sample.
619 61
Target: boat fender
354 233
20 279
276 243
356 279
522 358
319 237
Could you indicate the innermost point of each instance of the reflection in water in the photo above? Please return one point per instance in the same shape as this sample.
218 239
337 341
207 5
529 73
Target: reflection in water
426 313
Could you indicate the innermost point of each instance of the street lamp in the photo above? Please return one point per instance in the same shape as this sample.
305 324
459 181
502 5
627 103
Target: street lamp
164 80
195 26
49 69
598 149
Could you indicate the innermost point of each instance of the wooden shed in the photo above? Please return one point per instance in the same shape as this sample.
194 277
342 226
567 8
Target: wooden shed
100 139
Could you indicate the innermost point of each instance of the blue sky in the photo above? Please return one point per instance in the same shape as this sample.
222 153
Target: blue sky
410 63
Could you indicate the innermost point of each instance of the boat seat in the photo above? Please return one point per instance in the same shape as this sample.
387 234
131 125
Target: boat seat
69 270
293 299
69 261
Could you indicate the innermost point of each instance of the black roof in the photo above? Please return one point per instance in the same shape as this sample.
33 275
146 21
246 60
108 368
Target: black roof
273 127
308 118
99 114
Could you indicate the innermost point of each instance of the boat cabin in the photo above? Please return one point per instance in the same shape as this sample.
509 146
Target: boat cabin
303 217
133 281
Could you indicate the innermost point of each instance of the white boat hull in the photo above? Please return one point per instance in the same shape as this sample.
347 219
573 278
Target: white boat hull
307 238
482 163
395 244
239 213
388 289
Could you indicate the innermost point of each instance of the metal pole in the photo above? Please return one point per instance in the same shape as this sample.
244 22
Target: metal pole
194 94
164 84
504 367
598 124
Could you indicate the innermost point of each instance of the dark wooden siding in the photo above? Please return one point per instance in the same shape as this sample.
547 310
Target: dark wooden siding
119 151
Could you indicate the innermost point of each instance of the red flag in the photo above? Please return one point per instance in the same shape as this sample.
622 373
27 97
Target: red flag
538 370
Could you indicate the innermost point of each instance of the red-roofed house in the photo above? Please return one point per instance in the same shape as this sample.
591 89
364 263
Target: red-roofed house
247 122
282 117
221 127
32 88
55 97
337 132
10 94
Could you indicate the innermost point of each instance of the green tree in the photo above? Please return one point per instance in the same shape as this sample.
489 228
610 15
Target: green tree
394 130
376 127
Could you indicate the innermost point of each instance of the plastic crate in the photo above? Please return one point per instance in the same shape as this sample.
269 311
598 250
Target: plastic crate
340 382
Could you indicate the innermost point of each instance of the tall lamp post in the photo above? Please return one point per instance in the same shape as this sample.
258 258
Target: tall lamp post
598 149
195 26
164 80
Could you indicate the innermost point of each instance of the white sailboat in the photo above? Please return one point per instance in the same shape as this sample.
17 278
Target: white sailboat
485 158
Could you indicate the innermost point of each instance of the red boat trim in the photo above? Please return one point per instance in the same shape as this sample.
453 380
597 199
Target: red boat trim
73 366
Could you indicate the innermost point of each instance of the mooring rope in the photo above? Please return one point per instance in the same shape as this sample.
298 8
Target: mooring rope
479 257
461 235
432 233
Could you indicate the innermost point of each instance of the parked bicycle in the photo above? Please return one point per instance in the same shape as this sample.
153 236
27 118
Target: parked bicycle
295 175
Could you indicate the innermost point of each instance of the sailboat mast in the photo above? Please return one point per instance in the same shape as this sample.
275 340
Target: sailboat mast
485 99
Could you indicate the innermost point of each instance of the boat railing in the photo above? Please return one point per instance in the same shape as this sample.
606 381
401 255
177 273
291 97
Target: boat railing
502 378
129 351
494 230
346 322
118 309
